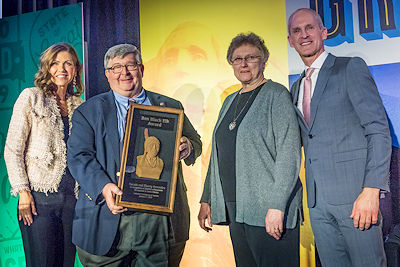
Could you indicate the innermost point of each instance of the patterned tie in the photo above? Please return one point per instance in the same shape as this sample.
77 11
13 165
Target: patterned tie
307 95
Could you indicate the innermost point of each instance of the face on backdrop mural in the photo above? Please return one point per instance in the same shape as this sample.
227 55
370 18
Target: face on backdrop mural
190 66
190 57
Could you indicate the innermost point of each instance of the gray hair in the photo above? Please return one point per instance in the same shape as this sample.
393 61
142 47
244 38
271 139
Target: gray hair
251 39
316 16
121 51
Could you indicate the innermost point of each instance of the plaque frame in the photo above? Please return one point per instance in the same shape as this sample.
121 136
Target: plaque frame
136 117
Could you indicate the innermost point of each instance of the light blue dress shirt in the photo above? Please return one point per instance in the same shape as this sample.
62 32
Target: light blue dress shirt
122 103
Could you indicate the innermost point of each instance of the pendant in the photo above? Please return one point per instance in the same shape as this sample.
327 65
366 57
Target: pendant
232 125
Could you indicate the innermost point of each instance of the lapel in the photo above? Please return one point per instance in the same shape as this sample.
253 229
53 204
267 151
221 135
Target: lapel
111 125
296 89
320 86
155 99
295 93
228 104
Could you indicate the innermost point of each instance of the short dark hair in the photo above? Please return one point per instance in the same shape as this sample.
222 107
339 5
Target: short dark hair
121 50
251 39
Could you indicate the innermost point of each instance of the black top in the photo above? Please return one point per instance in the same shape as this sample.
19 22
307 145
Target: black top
225 140
67 183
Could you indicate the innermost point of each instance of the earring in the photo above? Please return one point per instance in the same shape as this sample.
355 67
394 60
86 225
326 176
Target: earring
74 82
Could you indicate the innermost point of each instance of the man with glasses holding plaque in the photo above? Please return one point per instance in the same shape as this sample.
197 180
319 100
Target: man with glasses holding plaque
106 234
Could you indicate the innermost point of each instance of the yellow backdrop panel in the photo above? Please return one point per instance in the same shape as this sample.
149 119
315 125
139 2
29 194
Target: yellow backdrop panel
184 46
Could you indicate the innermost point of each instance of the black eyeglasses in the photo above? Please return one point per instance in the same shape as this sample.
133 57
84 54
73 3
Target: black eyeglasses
118 68
247 59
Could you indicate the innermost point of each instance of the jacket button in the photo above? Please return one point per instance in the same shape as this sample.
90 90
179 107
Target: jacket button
310 136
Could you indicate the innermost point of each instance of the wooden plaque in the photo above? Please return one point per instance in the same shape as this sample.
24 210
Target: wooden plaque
150 157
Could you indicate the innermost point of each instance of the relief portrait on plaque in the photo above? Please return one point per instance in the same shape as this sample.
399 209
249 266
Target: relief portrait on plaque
149 165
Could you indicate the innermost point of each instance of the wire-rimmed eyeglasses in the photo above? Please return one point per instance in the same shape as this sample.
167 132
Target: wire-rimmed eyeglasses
247 59
118 68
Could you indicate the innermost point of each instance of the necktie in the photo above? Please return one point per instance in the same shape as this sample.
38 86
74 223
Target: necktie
307 95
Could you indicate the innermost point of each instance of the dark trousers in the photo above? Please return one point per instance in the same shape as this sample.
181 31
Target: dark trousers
142 241
392 247
175 253
48 241
392 251
253 246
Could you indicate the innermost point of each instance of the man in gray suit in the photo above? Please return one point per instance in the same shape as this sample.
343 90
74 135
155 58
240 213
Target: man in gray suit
347 145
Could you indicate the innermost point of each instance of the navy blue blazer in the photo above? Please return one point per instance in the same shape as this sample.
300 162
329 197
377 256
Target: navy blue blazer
94 159
347 145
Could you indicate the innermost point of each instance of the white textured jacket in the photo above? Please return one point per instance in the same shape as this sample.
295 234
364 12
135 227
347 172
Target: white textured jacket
35 151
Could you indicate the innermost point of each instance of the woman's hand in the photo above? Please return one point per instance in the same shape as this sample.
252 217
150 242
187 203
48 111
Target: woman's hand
26 207
205 214
274 223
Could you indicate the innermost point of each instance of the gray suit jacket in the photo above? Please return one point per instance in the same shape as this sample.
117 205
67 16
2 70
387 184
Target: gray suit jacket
94 159
267 161
347 145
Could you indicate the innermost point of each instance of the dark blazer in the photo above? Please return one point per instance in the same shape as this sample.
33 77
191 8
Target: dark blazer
94 160
348 144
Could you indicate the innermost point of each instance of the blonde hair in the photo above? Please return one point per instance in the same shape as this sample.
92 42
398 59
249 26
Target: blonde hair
43 77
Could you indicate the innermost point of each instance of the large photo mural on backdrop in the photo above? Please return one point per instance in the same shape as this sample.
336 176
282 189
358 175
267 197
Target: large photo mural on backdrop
22 39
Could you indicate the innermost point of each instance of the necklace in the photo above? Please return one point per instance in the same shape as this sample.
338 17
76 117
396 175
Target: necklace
62 105
232 125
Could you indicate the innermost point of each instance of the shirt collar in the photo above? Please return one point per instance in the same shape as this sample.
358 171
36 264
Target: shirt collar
317 64
125 100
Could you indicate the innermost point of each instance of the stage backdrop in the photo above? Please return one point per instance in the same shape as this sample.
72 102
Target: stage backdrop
22 39
184 46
